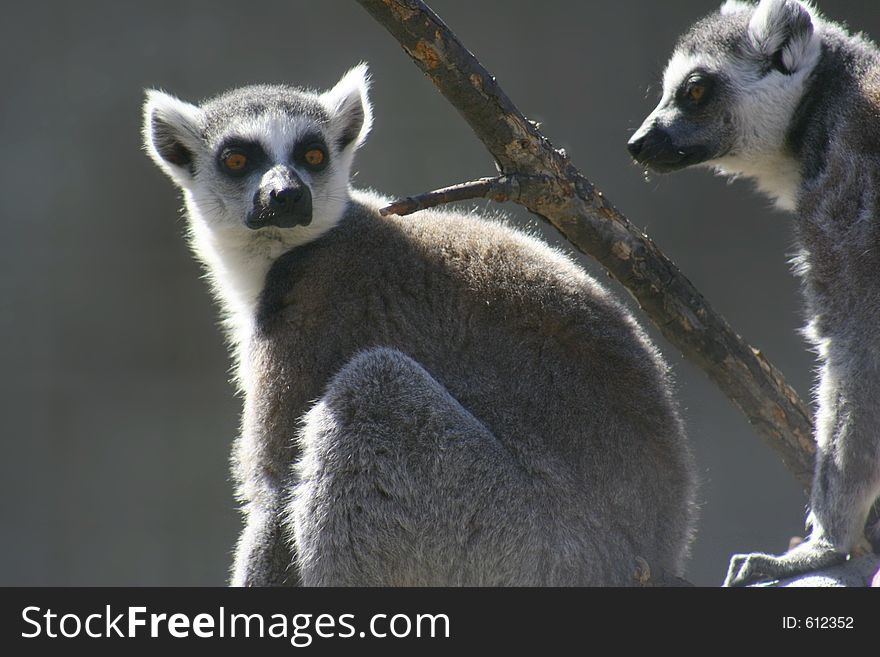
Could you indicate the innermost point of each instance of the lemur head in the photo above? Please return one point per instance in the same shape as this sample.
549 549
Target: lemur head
265 158
263 169
731 88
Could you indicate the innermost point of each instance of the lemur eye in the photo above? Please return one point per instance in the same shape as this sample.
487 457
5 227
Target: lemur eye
314 157
312 153
696 91
235 161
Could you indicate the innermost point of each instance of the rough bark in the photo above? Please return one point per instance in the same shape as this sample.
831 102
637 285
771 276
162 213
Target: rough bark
536 175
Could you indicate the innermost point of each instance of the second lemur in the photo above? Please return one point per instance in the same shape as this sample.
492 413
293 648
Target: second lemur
777 93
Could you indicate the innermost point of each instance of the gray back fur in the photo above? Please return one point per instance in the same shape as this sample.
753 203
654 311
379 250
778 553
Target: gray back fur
559 456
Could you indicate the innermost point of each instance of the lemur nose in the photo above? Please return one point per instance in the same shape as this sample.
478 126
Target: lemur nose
635 145
284 200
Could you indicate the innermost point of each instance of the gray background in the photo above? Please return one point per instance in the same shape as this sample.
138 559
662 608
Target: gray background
117 413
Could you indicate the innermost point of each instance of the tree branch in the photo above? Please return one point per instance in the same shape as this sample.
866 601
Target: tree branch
499 188
550 186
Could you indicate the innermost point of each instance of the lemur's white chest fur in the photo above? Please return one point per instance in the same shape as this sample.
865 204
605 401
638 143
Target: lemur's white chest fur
776 174
237 261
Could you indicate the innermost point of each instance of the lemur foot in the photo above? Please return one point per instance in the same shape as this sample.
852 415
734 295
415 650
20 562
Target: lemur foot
808 556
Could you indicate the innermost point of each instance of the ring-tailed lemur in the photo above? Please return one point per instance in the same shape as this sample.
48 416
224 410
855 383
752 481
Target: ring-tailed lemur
777 93
436 399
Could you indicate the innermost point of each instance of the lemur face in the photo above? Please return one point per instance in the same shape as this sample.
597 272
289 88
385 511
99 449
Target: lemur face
730 89
262 157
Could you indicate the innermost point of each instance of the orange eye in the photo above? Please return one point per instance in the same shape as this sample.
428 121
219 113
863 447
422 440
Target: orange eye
314 157
696 92
235 161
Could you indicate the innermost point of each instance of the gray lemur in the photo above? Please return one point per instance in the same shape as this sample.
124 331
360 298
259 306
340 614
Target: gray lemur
432 400
776 93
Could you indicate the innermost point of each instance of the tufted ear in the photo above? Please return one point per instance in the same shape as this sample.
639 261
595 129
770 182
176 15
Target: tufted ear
735 6
782 30
172 134
349 106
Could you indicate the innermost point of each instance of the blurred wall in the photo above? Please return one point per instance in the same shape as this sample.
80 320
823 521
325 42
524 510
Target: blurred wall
117 412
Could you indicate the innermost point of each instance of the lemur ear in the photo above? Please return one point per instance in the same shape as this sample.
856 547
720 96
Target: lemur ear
349 105
735 6
782 30
171 134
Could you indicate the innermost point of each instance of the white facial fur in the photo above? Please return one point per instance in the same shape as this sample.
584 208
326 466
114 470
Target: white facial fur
237 258
767 104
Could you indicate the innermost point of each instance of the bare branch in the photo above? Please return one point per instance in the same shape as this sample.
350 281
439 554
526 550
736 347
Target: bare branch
551 187
499 188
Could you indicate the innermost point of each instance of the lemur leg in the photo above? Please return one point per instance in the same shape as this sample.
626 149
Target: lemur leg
847 477
262 555
400 485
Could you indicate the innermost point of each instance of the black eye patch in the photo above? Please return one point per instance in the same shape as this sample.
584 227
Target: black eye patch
238 157
312 153
697 89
